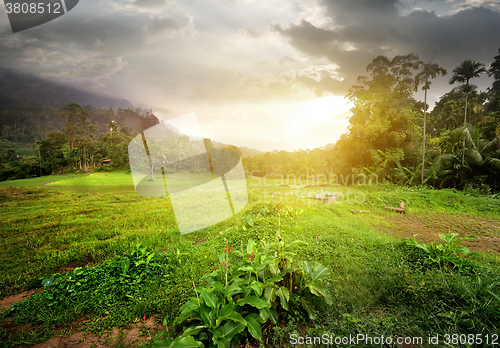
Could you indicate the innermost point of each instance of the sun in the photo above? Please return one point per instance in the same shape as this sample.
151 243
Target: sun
311 119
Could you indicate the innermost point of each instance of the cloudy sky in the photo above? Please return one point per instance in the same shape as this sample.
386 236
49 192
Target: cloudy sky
251 70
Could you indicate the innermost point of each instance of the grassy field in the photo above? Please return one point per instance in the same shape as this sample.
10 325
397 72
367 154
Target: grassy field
379 285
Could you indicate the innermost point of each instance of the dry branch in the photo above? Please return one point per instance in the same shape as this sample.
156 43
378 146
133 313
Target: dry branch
402 208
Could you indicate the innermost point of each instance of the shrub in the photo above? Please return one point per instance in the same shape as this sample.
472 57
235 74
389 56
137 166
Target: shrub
242 297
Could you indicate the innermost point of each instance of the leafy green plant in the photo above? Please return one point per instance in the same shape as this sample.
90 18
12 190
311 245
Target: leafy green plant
96 289
242 297
443 252
257 212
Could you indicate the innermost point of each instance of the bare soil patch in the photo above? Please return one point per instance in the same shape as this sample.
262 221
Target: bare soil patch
8 301
429 226
140 332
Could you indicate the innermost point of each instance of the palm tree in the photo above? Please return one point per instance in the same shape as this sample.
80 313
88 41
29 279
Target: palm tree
427 71
466 71
482 157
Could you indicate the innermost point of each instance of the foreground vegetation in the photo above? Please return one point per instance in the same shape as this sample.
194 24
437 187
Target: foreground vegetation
107 257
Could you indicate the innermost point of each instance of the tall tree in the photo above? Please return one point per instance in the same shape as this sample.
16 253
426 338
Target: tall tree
76 118
494 70
427 71
384 116
463 73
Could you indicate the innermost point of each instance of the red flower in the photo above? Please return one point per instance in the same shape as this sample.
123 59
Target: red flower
144 316
278 206
251 257
229 250
223 263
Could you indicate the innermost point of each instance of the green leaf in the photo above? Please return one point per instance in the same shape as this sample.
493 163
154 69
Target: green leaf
232 290
251 247
257 287
307 267
188 306
125 265
188 314
209 298
162 344
273 315
253 301
185 342
250 220
160 334
284 296
307 306
264 313
270 294
246 269
205 315
317 289
221 342
254 327
234 316
319 272
226 310
273 267
193 330
48 281
274 279
218 286
149 258
229 330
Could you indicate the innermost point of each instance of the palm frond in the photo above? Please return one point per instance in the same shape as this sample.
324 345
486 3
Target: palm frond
492 144
493 162
473 156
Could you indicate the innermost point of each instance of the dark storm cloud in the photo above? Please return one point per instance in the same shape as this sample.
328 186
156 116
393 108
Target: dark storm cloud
347 12
159 28
150 3
364 29
86 48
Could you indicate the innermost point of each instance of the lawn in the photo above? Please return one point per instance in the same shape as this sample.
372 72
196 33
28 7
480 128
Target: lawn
88 226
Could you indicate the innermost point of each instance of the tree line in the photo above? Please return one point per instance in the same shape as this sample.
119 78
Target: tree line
43 138
391 134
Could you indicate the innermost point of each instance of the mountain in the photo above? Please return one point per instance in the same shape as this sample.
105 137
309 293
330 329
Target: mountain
25 86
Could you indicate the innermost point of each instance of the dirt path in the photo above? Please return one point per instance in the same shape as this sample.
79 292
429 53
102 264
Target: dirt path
429 226
140 332
73 336
8 301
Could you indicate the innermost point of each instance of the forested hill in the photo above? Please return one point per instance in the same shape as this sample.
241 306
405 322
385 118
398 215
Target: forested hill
29 87
40 138
25 121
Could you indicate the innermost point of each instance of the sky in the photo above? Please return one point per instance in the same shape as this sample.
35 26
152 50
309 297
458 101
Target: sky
255 72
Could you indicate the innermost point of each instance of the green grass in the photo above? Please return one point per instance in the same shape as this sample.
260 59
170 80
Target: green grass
379 285
37 182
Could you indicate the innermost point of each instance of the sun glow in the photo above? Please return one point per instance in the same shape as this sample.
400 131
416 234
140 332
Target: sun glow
317 122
